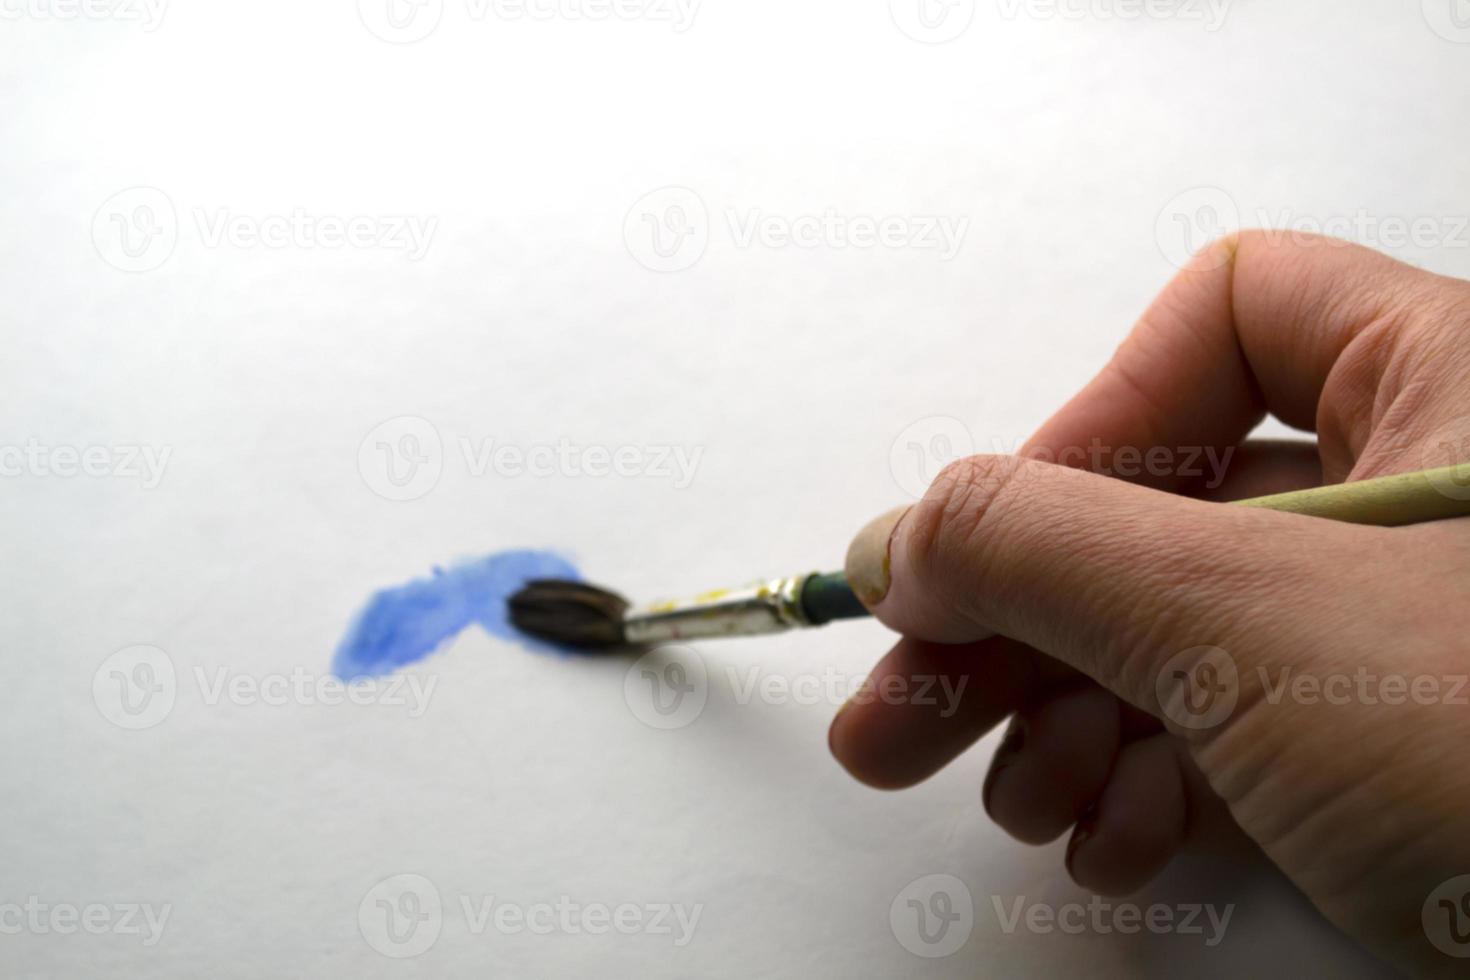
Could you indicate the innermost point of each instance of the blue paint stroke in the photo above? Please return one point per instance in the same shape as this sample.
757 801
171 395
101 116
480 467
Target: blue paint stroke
402 625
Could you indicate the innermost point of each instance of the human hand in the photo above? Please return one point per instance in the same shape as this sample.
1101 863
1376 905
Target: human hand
1180 671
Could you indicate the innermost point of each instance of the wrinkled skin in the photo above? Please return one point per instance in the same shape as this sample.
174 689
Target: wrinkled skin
1099 586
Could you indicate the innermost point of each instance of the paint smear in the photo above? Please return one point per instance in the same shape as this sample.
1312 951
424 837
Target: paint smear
402 625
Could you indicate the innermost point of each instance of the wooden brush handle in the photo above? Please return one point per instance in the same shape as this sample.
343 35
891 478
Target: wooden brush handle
1388 501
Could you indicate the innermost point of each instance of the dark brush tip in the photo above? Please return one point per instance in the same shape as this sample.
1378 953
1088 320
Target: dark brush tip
569 613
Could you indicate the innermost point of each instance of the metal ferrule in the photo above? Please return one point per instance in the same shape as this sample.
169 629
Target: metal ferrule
766 607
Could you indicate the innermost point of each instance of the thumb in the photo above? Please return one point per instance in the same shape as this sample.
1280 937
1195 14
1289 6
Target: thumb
1119 581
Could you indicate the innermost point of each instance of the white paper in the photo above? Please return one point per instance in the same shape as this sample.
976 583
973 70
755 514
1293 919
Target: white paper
500 291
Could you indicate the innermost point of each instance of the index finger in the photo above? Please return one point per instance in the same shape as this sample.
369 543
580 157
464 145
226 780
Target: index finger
1255 324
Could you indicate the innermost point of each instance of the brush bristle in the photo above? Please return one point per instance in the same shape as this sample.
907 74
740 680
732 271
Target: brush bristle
569 613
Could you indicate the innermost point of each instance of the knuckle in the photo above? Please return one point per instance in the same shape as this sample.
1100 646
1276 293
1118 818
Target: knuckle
1398 377
959 510
1443 319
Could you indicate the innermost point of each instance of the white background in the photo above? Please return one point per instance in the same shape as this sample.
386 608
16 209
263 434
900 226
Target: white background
1077 148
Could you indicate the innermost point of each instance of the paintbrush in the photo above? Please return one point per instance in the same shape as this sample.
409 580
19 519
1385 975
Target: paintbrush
581 615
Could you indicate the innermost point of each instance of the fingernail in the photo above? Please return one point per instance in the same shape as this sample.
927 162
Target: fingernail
868 565
1005 754
1013 742
1086 824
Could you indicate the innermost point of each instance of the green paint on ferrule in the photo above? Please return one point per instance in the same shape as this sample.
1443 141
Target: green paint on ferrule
826 597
